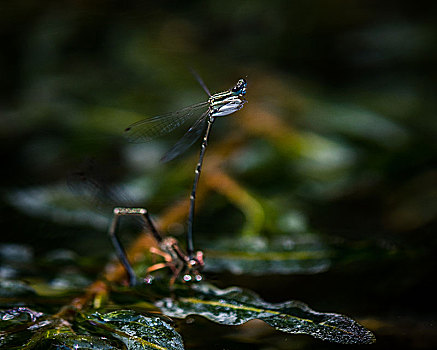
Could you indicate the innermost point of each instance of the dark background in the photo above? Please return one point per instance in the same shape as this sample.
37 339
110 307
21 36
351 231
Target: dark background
353 80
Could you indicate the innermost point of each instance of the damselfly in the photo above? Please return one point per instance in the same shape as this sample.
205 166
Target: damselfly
218 105
175 257
181 264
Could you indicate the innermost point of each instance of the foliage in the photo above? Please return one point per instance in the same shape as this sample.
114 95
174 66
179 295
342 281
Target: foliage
22 327
322 188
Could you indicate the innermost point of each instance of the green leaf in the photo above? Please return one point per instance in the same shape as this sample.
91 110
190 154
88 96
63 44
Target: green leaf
135 330
66 339
17 316
235 306
13 288
257 255
23 328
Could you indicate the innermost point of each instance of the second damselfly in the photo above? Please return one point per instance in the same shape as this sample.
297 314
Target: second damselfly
218 105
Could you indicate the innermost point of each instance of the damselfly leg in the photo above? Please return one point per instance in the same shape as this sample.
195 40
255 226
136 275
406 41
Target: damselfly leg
178 261
175 258
119 249
168 247
204 114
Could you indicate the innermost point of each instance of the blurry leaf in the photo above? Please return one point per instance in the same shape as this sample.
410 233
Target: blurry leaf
15 253
10 288
69 280
61 257
136 331
57 203
303 253
321 156
235 306
75 204
358 122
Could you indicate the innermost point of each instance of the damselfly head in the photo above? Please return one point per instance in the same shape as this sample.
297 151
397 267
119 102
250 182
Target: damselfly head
240 87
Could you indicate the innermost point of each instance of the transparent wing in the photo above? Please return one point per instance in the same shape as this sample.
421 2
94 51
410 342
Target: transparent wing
150 128
188 139
84 182
95 191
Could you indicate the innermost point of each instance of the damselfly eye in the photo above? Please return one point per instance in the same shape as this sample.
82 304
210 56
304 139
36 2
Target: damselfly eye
240 87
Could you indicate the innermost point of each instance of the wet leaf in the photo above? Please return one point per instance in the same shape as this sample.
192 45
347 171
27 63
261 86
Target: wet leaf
20 326
17 316
235 306
66 339
135 330
23 328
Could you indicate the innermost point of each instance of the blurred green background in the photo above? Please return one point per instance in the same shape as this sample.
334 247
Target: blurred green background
336 148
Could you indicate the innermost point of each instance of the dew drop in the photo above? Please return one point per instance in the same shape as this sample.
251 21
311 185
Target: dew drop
187 278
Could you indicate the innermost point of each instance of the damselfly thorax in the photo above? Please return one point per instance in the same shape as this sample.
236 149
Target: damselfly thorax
228 102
